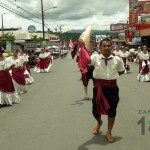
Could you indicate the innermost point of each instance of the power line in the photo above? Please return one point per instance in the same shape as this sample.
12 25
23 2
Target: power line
18 14
22 9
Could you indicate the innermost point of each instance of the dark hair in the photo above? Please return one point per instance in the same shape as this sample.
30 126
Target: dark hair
23 50
17 50
125 47
1 50
144 45
106 40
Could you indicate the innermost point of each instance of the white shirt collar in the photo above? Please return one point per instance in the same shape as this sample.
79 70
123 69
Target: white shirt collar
103 57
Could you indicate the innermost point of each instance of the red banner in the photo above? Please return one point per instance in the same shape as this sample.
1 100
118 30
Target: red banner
142 26
143 7
133 14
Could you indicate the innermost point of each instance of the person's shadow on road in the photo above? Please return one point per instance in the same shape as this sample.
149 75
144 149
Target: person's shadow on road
96 140
81 101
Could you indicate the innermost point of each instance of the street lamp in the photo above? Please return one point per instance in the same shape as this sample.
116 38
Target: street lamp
43 24
50 8
60 29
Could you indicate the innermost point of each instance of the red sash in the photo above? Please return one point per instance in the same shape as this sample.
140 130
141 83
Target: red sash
101 100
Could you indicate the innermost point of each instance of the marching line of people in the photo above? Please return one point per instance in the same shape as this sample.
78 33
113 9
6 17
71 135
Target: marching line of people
15 74
142 58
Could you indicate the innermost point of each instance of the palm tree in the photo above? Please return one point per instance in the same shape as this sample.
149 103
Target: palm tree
36 40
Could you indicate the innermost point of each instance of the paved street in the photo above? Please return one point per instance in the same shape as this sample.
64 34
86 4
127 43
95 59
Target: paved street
52 115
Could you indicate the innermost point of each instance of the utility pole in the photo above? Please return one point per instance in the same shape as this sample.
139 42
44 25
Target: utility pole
2 26
42 20
60 27
60 30
43 24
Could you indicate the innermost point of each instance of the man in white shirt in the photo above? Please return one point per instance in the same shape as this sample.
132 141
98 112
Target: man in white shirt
107 68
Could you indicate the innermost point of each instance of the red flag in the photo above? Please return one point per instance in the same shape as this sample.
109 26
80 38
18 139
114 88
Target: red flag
71 44
83 59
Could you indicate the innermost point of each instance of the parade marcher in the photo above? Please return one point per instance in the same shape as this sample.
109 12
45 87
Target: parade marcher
65 52
17 73
144 64
28 78
44 63
8 95
125 55
32 59
84 41
86 71
116 51
62 53
107 69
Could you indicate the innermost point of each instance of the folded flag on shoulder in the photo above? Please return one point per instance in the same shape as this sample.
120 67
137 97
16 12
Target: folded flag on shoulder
83 59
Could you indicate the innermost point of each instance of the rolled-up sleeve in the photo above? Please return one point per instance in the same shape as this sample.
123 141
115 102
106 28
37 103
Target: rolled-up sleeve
94 59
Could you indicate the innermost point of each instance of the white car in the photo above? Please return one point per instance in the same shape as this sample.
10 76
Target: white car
38 50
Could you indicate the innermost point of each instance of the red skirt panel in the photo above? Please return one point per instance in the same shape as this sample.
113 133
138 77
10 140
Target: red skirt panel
18 75
6 84
43 63
143 70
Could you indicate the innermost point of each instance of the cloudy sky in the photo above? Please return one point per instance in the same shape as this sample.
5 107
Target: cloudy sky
69 14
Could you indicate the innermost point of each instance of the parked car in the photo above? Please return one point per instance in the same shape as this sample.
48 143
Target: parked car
38 50
55 52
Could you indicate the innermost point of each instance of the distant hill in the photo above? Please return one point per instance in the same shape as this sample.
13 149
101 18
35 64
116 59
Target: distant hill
94 32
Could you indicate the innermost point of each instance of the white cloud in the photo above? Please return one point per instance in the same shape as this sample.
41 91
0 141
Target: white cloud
73 14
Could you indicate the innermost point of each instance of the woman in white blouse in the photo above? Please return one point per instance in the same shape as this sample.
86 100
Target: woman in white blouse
8 94
18 73
144 64
28 78
125 55
44 63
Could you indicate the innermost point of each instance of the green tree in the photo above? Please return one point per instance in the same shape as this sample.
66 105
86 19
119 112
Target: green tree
7 37
36 40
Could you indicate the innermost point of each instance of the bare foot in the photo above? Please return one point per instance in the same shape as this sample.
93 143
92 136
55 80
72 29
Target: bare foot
97 128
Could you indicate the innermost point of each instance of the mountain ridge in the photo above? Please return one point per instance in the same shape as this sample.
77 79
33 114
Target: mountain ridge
94 32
